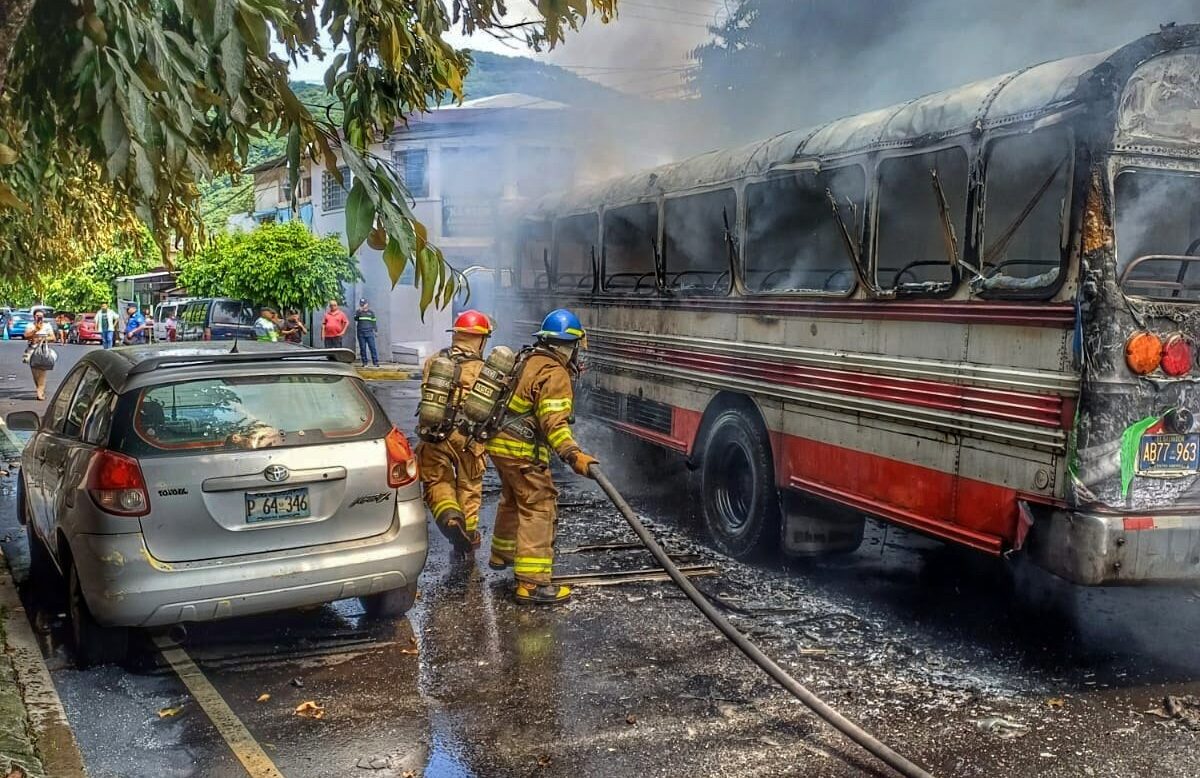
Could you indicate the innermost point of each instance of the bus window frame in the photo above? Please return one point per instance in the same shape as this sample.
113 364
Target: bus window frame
736 229
598 268
793 170
631 292
968 232
548 221
1071 223
1115 168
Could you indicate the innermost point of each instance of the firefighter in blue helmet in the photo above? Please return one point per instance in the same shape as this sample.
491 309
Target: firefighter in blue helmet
536 421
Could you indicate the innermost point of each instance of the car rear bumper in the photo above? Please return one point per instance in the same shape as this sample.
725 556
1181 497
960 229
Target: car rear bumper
1102 548
125 586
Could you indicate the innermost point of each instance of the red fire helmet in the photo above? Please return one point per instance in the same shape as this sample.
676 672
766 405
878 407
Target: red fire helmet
472 323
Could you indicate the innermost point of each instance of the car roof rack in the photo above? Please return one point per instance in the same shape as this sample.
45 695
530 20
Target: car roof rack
150 364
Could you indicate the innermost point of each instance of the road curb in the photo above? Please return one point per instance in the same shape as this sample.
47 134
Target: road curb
52 736
383 374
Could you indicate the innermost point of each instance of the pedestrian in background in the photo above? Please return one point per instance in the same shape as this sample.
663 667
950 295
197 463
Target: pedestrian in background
172 327
293 330
62 327
366 324
135 326
334 325
38 335
266 327
148 326
106 323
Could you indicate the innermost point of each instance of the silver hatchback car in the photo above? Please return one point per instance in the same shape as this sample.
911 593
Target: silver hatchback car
178 483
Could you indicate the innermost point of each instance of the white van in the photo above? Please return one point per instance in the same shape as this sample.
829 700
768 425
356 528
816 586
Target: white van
161 312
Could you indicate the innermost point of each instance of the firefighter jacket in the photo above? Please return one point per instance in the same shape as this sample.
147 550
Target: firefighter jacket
539 413
469 363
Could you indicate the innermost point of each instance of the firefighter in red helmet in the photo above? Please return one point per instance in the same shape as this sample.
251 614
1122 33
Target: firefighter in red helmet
451 463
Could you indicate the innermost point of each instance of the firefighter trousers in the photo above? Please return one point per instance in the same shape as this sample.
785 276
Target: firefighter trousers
526 519
452 477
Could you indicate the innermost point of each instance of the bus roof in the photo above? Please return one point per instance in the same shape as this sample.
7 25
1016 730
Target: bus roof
1026 95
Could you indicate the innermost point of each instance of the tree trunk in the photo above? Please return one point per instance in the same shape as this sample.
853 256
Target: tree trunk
13 16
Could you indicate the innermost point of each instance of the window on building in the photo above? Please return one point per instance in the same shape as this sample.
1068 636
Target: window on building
533 241
911 244
305 188
472 172
544 169
284 195
630 242
1027 189
695 248
575 239
412 165
794 241
333 194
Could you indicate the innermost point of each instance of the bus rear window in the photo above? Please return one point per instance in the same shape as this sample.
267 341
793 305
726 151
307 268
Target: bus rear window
252 412
1158 231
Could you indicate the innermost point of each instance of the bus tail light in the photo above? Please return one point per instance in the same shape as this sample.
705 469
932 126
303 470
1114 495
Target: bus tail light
1143 352
401 462
1177 355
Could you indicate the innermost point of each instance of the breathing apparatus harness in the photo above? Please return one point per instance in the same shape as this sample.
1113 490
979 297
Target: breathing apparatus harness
442 395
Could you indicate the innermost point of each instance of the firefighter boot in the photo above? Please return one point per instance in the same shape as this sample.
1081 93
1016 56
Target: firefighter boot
453 525
542 594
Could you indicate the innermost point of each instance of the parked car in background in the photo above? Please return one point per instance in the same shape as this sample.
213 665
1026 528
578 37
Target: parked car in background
18 320
164 311
83 329
216 318
170 484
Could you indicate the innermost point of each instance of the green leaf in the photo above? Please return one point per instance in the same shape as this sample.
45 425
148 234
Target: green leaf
360 215
395 258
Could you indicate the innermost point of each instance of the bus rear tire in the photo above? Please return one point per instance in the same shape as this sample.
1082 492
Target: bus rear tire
737 486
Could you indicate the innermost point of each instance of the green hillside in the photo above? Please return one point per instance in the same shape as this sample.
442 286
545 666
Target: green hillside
491 74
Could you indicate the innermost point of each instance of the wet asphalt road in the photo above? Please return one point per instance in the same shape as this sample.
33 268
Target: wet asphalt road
968 665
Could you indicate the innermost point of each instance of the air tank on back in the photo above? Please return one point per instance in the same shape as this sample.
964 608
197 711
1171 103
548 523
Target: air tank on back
483 401
437 393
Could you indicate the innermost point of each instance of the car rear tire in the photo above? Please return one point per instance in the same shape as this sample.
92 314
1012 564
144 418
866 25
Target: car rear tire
94 644
737 485
391 604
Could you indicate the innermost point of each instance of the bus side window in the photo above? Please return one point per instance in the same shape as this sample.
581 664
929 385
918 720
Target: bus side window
630 240
575 239
1027 188
533 246
694 246
911 246
793 241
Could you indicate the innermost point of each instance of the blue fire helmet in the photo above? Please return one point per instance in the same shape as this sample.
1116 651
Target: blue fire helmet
561 324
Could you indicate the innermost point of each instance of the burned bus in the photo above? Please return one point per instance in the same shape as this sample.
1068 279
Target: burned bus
974 315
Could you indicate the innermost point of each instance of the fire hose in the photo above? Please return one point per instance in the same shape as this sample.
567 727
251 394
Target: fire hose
814 703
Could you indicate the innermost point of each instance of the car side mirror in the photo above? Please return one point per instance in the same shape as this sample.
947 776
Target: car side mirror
23 421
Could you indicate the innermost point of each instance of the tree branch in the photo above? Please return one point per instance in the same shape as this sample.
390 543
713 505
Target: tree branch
13 16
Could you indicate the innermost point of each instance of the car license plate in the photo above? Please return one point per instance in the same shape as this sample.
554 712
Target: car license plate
1168 455
277 506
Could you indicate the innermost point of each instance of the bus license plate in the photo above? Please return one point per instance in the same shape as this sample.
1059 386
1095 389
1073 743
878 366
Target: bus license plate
1168 455
277 506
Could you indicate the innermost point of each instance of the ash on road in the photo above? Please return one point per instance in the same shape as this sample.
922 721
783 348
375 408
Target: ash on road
960 662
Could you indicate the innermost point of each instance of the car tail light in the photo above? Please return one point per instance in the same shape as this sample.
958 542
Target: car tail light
116 484
1143 352
1177 355
402 464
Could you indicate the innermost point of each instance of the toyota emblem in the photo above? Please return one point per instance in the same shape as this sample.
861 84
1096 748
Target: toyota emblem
276 473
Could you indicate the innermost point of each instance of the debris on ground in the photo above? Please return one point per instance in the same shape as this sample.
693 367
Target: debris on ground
374 763
263 697
310 710
1056 703
166 713
1183 708
1001 727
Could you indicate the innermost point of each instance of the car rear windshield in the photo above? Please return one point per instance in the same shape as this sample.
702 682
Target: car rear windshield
252 412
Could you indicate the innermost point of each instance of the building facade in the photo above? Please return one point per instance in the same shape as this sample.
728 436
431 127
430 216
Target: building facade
465 167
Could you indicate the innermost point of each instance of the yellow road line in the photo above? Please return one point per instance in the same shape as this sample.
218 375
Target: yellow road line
237 737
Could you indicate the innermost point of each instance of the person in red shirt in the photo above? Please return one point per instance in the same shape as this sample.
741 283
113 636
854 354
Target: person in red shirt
334 325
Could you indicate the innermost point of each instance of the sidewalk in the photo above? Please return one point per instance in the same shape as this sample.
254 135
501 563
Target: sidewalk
389 371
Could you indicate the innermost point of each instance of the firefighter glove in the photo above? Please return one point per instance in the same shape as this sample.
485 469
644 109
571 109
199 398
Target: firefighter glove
582 463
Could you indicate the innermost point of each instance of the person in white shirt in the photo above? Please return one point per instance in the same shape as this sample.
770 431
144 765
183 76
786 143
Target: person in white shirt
37 332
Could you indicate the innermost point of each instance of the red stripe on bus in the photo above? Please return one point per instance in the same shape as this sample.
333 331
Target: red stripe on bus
964 510
1138 523
1035 409
675 444
1021 314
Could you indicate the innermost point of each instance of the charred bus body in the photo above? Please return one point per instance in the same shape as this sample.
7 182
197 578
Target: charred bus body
974 315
